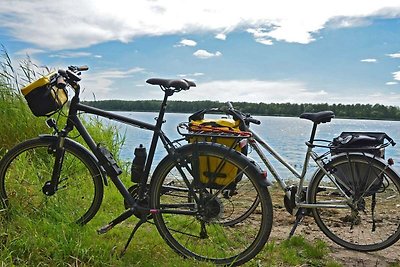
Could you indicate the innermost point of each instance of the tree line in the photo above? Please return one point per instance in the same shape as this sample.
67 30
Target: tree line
358 111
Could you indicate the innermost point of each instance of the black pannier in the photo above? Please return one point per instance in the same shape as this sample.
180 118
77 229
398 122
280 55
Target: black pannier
358 178
365 142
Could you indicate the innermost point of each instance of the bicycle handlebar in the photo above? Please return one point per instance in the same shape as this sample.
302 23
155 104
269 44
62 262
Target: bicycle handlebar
70 75
238 115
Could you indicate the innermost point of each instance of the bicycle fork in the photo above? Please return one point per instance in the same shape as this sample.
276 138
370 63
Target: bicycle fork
50 187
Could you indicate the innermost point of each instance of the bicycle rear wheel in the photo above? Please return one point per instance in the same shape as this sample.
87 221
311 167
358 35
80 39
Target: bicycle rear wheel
26 168
227 224
371 220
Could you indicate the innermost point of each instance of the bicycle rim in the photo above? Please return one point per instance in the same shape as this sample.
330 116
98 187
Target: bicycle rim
228 227
373 222
27 167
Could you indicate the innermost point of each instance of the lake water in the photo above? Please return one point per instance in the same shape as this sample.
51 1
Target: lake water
286 135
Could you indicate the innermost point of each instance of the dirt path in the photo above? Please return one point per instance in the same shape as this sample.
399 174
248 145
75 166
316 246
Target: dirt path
283 223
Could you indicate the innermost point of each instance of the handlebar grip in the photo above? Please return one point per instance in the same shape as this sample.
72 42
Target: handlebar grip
83 68
252 120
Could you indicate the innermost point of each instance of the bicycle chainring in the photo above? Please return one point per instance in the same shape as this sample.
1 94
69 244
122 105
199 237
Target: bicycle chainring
134 191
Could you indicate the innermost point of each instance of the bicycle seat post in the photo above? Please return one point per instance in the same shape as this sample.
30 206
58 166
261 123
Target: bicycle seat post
313 132
317 118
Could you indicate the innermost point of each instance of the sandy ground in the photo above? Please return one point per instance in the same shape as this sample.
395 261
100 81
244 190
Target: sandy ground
283 223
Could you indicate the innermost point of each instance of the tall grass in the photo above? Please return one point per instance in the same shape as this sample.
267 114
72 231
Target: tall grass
18 122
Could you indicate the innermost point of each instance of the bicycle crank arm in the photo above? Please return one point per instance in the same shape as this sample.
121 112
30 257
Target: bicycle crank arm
128 213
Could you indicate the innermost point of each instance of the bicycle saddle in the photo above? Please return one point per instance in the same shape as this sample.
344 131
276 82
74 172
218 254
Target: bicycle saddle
174 83
322 116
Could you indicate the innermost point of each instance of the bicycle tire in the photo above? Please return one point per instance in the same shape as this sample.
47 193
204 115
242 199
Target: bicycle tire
204 235
26 168
366 226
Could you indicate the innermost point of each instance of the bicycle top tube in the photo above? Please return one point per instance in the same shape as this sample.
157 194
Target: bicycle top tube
71 77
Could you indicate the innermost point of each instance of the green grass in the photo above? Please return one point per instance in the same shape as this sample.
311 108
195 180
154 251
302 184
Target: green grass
45 243
296 252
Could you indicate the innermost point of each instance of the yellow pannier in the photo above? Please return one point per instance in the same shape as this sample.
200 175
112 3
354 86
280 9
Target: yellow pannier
222 131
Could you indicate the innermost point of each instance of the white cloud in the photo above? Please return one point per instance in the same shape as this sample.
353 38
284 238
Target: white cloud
264 41
369 60
391 83
396 75
196 74
348 22
395 55
265 91
203 54
255 91
117 73
68 54
29 51
103 86
85 23
221 36
101 83
186 42
261 35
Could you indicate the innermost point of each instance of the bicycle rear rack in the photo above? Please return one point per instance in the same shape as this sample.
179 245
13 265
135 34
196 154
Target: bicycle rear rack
210 131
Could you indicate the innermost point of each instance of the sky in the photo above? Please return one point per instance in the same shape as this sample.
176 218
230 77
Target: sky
306 51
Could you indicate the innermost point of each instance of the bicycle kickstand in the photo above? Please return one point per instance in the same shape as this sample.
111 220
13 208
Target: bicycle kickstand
299 218
143 219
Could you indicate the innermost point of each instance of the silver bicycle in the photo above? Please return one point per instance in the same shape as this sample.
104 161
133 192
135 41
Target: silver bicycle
354 195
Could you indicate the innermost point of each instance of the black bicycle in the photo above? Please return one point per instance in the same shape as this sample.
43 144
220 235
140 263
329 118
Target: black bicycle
54 175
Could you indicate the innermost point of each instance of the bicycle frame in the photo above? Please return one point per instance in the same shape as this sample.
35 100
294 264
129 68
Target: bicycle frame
74 121
256 140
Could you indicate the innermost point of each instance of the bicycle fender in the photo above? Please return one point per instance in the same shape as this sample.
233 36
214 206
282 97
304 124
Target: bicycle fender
82 149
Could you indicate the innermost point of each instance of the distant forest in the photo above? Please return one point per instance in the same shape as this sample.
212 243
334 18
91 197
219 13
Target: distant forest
357 111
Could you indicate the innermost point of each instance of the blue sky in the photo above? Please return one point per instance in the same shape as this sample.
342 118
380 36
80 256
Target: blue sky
256 50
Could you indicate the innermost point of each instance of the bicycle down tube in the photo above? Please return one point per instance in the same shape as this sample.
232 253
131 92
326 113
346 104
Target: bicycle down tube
156 129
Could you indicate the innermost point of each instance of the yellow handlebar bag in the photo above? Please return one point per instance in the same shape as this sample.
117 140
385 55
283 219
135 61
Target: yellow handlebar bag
43 97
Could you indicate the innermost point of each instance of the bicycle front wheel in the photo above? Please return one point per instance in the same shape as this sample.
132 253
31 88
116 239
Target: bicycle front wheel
369 190
25 170
225 224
